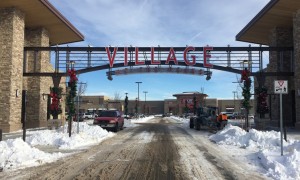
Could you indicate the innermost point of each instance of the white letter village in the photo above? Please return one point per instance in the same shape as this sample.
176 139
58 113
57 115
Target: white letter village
171 56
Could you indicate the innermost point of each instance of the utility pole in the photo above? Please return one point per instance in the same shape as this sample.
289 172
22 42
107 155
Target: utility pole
80 91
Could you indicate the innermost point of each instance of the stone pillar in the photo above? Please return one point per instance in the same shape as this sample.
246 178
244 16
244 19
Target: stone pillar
11 68
37 86
280 37
296 33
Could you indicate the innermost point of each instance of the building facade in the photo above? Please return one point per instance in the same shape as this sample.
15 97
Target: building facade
21 27
170 106
278 25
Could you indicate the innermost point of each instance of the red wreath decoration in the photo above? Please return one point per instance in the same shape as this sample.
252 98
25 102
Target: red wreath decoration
55 107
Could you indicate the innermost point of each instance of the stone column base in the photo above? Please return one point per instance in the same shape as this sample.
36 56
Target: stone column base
297 125
261 123
36 124
6 128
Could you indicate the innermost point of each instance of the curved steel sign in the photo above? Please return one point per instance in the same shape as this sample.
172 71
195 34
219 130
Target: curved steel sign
88 59
171 57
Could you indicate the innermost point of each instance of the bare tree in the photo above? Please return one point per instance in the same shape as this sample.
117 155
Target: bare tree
118 96
81 88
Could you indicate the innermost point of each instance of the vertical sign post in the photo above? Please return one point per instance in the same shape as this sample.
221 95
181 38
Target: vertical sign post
281 87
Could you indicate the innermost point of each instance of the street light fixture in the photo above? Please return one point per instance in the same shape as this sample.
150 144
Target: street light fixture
138 96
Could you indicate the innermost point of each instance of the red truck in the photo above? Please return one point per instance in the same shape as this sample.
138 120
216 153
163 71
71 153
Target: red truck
110 120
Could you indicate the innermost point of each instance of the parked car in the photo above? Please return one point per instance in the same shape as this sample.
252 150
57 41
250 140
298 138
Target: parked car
128 116
110 119
88 115
251 116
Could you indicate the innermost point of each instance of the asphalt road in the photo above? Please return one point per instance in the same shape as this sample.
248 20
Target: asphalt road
159 149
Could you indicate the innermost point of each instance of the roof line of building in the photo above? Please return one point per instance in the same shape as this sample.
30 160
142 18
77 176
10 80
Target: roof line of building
61 17
256 18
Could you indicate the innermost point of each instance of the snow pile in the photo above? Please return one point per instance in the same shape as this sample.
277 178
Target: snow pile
184 121
88 135
268 148
15 153
142 120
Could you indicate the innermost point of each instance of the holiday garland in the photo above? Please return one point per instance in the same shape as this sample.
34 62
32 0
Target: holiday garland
72 84
262 106
55 106
246 88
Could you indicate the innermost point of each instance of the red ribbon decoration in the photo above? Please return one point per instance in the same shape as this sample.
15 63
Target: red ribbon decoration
72 75
55 102
245 75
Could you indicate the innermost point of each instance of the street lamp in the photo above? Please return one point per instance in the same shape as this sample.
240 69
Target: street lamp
107 104
234 92
138 96
145 101
126 106
79 92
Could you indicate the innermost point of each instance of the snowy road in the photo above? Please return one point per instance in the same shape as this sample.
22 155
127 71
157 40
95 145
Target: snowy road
158 149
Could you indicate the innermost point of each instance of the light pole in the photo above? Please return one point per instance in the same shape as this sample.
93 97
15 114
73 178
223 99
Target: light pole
145 101
234 92
138 96
126 106
107 104
71 96
79 92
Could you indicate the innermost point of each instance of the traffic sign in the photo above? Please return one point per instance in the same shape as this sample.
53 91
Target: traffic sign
280 87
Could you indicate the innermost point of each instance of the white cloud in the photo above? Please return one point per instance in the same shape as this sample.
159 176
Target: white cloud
164 23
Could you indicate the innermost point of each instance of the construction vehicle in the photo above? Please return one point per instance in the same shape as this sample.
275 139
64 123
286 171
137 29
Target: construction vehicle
204 118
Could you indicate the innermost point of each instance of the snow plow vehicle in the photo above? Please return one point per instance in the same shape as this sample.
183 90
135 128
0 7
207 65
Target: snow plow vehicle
205 118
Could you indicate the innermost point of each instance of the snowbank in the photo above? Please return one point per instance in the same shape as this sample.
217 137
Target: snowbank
15 153
268 150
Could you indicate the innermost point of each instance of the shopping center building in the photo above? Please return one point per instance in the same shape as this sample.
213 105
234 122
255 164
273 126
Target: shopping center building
181 104
36 23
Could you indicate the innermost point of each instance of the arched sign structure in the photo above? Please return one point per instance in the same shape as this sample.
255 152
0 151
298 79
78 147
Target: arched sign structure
126 60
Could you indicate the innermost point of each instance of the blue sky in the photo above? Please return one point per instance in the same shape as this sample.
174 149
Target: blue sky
168 23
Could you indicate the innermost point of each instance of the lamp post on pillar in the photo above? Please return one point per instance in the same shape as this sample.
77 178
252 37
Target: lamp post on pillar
71 95
138 83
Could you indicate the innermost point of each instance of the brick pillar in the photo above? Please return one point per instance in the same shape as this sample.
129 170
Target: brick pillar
37 86
296 33
280 37
11 69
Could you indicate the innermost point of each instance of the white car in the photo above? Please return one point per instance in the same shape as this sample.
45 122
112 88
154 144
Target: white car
251 116
88 116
